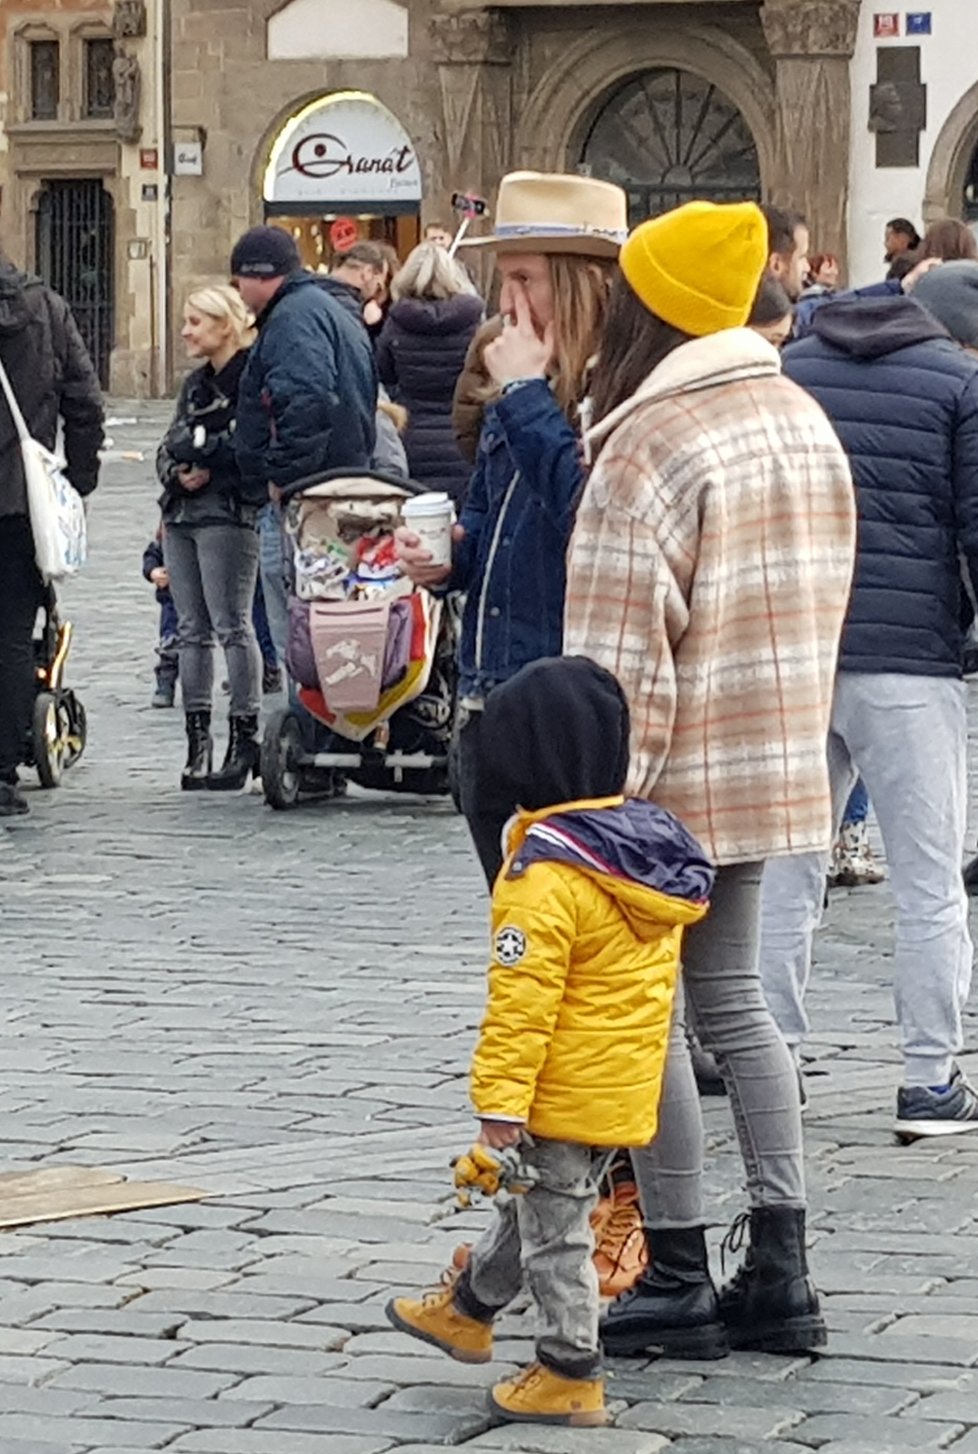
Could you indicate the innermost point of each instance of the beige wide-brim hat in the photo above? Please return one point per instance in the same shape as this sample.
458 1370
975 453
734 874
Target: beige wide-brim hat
544 212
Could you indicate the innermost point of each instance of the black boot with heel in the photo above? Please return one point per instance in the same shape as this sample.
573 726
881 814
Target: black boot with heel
771 1305
200 752
242 757
672 1310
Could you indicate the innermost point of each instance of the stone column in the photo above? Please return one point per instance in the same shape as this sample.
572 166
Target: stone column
812 42
474 55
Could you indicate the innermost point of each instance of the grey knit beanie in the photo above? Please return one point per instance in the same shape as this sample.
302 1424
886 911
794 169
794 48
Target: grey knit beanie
950 294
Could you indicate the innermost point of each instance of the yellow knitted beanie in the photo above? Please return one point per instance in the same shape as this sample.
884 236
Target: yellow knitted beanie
699 267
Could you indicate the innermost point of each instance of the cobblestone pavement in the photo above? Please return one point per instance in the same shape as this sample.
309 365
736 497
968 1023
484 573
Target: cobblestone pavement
279 1008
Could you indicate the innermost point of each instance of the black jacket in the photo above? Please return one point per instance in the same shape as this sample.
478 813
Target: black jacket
309 394
904 400
420 356
52 375
202 436
346 295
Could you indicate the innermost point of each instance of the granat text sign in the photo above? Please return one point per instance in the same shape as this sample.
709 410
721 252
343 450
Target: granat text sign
345 148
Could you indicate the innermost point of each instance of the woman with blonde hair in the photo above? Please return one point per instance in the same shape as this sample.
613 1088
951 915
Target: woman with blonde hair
432 320
209 539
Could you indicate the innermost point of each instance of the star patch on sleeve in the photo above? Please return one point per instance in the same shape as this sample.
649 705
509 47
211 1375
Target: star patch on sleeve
510 945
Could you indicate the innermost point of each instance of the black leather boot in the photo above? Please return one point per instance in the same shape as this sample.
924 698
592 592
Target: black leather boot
241 759
672 1310
771 1305
200 752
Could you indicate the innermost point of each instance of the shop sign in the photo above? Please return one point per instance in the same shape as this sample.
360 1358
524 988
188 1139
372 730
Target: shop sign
343 234
343 148
919 22
886 26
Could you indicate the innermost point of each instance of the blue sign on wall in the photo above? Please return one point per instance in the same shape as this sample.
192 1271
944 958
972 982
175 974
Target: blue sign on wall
919 22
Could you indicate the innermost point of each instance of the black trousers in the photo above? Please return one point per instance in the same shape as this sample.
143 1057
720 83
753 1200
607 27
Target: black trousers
20 596
486 810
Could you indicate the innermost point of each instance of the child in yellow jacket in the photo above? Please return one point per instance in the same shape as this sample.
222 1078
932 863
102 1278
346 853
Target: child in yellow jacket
588 915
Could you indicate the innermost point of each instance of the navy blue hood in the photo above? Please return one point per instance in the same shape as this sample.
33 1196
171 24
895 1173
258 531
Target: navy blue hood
636 842
874 327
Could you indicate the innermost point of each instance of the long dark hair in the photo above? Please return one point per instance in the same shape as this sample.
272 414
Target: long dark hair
635 342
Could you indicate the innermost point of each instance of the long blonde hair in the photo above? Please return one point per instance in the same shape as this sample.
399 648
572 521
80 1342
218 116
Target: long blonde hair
582 289
430 273
220 301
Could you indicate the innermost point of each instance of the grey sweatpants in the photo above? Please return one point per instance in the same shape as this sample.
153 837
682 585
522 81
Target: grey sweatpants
721 991
907 737
545 1237
213 570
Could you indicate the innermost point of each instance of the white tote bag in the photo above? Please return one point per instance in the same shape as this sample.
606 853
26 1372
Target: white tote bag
56 512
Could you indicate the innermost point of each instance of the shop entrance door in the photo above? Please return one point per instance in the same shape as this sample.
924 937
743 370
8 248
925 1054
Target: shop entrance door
668 137
76 257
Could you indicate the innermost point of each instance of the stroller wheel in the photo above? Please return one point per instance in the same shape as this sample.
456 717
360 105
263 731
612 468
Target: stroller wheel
77 729
50 738
281 760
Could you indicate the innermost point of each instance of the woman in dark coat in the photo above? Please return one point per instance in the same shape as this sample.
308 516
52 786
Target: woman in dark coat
421 353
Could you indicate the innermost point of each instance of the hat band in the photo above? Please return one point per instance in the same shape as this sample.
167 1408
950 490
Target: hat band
558 229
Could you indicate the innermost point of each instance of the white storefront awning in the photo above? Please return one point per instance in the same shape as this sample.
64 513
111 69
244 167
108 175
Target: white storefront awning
343 150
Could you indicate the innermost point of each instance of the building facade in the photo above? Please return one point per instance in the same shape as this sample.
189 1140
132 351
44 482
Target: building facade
178 123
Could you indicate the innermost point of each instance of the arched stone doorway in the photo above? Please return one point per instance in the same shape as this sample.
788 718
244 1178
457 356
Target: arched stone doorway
952 174
668 136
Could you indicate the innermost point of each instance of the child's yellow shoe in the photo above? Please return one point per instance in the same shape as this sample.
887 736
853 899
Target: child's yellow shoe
434 1318
538 1396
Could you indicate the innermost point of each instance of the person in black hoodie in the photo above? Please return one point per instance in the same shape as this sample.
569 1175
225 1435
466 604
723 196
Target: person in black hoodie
210 541
897 381
52 376
421 353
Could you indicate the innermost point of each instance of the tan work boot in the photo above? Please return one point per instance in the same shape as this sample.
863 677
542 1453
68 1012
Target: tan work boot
621 1253
434 1318
538 1396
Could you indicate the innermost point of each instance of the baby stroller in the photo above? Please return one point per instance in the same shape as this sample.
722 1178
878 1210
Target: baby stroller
58 728
371 659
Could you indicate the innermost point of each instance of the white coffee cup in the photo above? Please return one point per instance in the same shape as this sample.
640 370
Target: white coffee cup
431 517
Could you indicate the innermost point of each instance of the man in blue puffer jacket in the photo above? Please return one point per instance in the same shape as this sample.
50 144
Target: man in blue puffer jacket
897 380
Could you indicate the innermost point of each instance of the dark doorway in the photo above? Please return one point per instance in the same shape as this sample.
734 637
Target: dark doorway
76 257
971 189
669 137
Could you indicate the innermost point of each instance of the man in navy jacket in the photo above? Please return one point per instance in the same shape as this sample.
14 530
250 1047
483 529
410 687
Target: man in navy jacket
898 380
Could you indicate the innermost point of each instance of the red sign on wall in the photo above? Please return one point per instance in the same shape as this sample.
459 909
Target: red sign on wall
886 26
343 234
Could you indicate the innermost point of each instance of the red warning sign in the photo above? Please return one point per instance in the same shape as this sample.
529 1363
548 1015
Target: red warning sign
343 234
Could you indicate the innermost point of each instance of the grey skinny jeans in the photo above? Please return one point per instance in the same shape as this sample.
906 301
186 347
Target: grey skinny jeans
213 570
721 987
545 1236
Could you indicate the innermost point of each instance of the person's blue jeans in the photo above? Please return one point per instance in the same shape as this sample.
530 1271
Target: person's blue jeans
259 617
272 572
857 808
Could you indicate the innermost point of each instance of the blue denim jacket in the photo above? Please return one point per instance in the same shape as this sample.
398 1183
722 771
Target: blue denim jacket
518 517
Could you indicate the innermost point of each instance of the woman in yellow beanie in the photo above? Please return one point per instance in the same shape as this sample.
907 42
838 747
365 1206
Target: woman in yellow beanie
709 570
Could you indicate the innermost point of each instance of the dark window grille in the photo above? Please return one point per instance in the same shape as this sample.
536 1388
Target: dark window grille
45 79
76 256
669 137
99 80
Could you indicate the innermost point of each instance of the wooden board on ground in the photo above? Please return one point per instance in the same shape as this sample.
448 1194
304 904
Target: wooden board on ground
56 1193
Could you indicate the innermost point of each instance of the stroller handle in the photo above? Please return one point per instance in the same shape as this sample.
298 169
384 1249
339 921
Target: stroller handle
381 477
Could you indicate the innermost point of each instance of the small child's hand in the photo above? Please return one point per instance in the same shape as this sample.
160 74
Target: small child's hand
160 577
500 1134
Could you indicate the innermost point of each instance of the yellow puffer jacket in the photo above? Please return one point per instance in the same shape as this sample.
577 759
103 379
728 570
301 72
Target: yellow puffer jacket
586 955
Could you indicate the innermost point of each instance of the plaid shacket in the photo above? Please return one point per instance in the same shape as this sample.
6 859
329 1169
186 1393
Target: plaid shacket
710 570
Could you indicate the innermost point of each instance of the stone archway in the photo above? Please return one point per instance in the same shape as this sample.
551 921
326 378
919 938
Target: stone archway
557 117
951 160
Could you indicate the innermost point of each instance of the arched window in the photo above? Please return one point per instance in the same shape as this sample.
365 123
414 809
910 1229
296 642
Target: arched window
667 137
971 189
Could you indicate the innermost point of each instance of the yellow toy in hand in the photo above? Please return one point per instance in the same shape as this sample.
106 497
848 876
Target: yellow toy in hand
489 1172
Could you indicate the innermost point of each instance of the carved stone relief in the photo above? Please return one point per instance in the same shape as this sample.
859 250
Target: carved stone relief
479 37
129 19
128 90
811 27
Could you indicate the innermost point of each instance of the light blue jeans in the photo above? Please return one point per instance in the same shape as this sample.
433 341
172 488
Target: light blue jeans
907 737
272 564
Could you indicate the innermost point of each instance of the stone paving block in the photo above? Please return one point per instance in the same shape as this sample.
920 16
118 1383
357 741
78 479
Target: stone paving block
677 1419
264 1333
764 1366
318 1287
809 1396
254 1358
875 1433
103 1322
960 1326
361 1317
959 1407
196 1412
432 1428
30 1370
967 1445
410 1371
233 1304
250 1441
28 1399
919 1376
338 1388
87 1348
524 1439
138 1381
16 1342
70 1433
888 1346
29 1303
